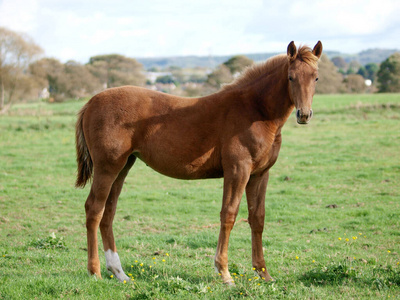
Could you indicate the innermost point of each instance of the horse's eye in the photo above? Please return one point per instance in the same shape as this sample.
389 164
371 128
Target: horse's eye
290 78
316 79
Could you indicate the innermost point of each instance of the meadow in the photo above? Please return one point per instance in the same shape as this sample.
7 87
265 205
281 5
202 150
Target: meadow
332 228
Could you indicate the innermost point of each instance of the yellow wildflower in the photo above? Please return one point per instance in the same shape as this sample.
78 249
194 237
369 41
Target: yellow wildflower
297 257
340 239
111 276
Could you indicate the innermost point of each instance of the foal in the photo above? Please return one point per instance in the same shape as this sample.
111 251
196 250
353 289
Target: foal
234 133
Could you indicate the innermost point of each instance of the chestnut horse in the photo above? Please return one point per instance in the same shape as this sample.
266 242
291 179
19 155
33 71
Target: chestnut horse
234 133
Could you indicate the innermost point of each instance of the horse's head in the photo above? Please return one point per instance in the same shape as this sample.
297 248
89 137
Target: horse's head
302 77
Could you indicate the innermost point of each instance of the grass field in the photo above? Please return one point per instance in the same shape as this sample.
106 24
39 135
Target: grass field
332 214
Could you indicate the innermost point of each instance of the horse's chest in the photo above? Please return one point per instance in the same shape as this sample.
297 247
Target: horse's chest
266 156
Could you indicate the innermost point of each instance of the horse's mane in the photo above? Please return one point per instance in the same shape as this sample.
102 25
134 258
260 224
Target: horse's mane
255 71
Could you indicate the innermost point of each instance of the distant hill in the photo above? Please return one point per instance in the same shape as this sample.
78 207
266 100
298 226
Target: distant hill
363 57
195 61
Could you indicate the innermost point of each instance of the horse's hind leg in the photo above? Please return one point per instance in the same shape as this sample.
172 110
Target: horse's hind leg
94 207
112 259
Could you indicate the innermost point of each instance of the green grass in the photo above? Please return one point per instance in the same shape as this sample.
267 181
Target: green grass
336 178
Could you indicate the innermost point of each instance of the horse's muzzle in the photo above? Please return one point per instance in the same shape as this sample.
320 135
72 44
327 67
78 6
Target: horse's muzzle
302 117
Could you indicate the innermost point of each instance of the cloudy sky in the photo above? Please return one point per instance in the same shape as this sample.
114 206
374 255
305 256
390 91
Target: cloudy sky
79 29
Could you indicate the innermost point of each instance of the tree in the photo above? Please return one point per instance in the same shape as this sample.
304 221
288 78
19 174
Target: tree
226 72
49 72
69 80
80 82
371 69
220 76
166 79
16 52
238 63
389 74
362 71
115 70
353 67
355 83
340 63
330 80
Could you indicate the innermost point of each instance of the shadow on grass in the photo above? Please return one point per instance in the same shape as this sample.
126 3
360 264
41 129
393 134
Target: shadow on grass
338 273
333 274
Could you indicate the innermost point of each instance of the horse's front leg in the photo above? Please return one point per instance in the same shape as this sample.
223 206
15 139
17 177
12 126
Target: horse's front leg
255 192
235 181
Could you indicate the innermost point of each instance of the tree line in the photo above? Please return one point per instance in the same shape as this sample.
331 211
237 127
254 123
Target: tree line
25 74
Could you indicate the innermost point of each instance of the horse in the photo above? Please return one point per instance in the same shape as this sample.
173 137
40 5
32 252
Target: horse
234 133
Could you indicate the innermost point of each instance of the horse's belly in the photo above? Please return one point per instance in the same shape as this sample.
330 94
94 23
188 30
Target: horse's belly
179 167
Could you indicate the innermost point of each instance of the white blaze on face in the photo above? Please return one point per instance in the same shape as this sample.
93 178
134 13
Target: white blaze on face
114 265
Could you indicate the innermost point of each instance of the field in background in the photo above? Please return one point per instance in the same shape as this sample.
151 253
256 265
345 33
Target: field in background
332 213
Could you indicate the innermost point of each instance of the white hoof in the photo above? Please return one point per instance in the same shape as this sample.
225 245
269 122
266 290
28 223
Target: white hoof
114 265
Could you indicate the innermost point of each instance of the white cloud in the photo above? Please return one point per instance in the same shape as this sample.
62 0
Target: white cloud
178 27
351 22
68 53
100 36
134 33
19 15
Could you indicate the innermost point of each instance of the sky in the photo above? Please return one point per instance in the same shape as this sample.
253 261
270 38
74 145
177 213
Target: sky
79 29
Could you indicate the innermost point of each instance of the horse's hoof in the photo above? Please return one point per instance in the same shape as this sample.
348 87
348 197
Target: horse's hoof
230 283
270 279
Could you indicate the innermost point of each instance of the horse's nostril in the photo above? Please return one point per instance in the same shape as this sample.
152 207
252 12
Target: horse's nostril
298 113
311 113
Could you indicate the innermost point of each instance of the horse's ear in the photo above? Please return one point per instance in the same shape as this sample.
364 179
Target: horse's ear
317 51
291 51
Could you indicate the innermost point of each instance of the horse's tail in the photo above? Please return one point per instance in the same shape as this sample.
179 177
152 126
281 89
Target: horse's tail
85 163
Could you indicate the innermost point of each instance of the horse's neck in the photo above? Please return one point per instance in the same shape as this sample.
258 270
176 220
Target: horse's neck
271 97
